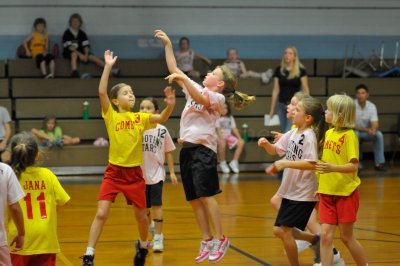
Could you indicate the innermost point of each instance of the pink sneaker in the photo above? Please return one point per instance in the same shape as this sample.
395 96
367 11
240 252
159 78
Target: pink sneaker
204 252
219 249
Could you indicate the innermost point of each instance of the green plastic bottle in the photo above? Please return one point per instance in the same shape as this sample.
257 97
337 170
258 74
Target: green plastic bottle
245 132
86 106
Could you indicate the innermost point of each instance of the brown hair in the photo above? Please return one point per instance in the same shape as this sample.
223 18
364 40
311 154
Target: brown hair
24 149
114 93
315 109
76 16
239 99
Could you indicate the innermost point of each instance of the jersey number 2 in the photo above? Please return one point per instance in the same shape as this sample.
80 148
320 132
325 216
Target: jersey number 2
42 205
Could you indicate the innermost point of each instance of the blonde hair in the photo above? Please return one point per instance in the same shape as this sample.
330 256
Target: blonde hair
295 70
343 111
239 99
300 95
315 109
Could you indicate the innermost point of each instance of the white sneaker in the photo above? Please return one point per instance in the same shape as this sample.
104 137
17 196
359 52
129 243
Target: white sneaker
151 228
234 166
49 76
158 243
266 76
302 245
224 167
337 260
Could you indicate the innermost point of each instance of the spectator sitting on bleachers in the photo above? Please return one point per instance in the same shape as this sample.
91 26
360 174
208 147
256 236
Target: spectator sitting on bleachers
77 47
239 69
5 130
367 125
51 135
228 135
185 56
37 46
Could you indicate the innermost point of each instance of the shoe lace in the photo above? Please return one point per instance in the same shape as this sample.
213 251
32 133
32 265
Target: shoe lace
214 246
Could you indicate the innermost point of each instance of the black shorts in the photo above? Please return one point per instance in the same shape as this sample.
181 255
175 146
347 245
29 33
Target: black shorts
199 171
294 213
40 58
154 194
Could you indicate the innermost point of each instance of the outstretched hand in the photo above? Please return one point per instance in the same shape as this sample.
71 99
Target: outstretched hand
109 58
175 77
162 36
271 170
169 96
324 167
262 142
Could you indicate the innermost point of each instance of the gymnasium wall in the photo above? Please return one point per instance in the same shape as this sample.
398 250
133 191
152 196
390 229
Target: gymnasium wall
258 28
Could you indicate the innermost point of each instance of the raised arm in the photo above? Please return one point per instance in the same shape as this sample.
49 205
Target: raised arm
169 52
184 82
170 100
109 60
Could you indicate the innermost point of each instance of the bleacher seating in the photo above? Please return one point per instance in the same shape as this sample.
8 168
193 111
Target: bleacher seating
30 98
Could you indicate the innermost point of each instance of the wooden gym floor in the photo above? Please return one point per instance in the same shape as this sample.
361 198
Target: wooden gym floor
247 220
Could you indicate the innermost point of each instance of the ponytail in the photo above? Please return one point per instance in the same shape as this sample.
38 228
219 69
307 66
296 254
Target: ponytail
239 99
24 150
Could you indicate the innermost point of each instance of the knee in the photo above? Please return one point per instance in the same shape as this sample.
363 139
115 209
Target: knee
379 135
102 215
74 56
275 202
326 238
278 232
240 143
222 143
141 216
346 239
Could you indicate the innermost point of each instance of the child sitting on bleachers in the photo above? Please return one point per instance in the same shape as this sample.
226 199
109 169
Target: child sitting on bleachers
51 135
239 69
228 134
37 46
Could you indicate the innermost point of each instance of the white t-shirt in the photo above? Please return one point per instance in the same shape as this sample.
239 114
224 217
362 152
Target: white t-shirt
184 60
235 67
366 115
10 193
197 123
298 185
226 123
156 142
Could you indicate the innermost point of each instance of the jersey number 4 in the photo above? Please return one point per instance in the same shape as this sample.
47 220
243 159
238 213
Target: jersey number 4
42 205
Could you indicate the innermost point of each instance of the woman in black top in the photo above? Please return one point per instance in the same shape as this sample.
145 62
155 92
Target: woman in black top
289 78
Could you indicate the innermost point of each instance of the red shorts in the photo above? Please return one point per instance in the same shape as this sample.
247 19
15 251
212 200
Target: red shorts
127 180
338 209
39 259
